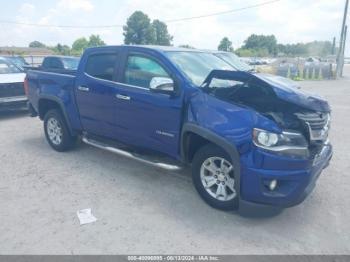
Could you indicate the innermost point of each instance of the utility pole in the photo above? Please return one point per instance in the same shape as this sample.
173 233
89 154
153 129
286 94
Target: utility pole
333 46
343 53
342 44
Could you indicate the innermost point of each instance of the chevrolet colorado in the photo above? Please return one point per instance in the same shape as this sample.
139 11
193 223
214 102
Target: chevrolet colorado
247 136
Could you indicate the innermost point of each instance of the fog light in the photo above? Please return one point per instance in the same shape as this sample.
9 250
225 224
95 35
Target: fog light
273 184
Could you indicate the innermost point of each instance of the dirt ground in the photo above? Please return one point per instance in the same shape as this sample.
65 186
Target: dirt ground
144 210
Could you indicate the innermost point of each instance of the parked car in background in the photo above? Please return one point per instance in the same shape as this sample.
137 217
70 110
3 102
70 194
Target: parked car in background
248 137
233 60
19 61
58 63
12 93
313 60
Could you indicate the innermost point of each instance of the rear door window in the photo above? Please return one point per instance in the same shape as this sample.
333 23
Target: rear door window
102 66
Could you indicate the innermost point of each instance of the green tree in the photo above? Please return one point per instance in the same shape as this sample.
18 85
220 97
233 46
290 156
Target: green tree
36 44
162 37
79 46
246 52
225 45
257 42
327 48
138 29
62 49
315 48
95 40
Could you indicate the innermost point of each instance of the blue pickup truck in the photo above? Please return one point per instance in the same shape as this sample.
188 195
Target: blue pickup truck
248 137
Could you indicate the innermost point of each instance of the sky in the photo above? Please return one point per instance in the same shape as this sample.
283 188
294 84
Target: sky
291 21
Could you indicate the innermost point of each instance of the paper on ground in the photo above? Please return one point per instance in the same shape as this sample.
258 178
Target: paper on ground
85 216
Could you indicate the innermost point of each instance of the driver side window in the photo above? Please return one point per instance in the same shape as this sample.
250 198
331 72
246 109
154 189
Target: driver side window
140 70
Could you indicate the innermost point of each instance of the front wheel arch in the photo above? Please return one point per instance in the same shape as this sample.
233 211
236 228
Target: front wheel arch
214 139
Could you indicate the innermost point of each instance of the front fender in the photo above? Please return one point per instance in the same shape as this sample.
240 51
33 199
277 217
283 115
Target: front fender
215 139
230 121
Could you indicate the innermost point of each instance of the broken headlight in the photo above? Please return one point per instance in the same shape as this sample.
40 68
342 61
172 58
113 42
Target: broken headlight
285 143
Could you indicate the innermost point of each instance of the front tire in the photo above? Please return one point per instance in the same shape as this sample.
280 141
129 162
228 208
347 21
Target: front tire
56 131
213 175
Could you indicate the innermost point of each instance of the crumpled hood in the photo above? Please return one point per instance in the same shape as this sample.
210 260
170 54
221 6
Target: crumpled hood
284 88
287 90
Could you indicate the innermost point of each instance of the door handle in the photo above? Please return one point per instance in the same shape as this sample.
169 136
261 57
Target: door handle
122 97
83 88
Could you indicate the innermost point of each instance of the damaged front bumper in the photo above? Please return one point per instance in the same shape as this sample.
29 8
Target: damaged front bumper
295 178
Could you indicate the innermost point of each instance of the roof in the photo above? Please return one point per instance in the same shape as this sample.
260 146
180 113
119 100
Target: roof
63 56
166 48
153 47
8 50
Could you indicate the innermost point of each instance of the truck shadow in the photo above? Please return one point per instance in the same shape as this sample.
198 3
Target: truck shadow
12 114
258 212
179 179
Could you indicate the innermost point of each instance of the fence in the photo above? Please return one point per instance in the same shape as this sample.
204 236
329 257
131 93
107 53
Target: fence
301 71
34 60
307 71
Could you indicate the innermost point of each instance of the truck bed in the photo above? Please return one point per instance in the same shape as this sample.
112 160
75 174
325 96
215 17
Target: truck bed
57 87
58 71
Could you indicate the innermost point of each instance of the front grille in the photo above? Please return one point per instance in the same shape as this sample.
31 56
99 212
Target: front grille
315 120
13 89
317 124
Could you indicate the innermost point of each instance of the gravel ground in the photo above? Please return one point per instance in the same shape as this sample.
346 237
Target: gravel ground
144 210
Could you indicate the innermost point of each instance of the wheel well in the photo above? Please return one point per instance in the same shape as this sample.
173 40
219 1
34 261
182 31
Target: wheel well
45 105
193 142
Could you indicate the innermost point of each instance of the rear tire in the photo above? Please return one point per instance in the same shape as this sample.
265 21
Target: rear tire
213 175
56 131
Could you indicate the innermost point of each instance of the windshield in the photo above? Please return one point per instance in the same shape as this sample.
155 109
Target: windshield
71 63
234 61
8 68
197 65
18 61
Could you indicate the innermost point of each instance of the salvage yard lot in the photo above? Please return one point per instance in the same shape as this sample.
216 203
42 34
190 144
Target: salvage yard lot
144 210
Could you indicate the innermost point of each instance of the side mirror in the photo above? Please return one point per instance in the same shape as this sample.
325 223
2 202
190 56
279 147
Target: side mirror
163 85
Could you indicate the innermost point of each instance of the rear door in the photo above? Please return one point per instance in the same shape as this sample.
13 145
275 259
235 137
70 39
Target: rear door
95 92
145 118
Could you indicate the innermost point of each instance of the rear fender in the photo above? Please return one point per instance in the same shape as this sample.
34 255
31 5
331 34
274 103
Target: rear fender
60 104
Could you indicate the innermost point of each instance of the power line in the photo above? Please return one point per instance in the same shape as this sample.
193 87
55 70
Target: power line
60 26
167 21
223 13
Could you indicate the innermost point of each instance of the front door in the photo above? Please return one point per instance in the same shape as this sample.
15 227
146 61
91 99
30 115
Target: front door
145 118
